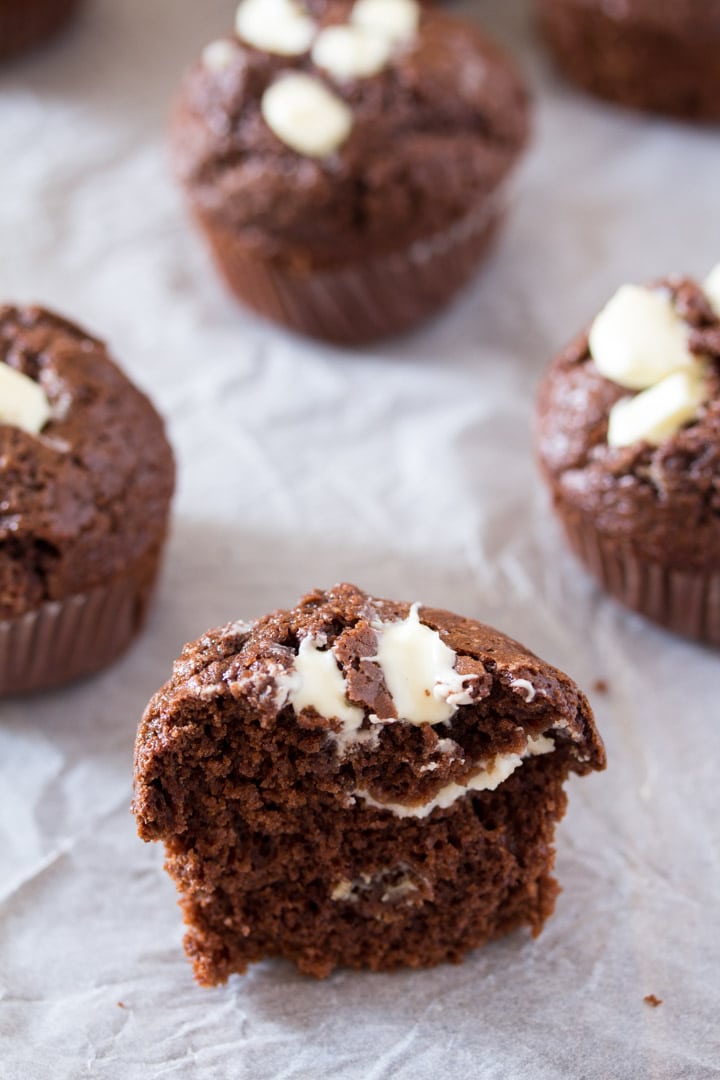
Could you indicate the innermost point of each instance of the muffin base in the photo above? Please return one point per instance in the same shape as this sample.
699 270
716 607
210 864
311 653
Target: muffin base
25 23
686 602
68 639
634 61
362 302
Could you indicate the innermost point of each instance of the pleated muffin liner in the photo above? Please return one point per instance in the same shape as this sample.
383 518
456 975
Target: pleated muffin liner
26 23
64 640
355 303
684 601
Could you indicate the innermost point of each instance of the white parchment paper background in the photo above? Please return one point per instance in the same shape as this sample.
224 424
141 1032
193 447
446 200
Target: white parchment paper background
406 468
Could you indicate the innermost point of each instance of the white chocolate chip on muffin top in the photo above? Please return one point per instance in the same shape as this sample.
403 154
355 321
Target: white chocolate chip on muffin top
712 288
362 49
395 19
640 342
282 27
219 55
23 402
419 670
350 52
659 411
306 115
638 338
317 683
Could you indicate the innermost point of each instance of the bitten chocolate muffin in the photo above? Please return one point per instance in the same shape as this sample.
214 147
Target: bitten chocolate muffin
358 782
659 55
346 160
87 477
25 23
629 443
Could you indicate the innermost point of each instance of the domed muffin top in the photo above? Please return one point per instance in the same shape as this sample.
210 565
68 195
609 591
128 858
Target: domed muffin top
401 708
87 472
629 420
323 125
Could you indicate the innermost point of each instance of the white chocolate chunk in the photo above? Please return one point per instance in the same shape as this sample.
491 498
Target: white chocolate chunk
654 414
318 684
282 27
712 289
350 52
419 671
305 115
397 20
218 56
525 689
23 402
538 745
503 767
347 891
638 338
400 891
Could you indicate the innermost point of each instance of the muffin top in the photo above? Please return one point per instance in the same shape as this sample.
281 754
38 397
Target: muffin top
346 127
629 422
87 472
415 706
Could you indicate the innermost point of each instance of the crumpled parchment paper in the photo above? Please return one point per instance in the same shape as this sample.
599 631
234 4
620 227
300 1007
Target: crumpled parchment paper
408 469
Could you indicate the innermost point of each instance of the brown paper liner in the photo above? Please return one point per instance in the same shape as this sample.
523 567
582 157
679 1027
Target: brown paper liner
25 23
684 601
634 61
67 639
357 303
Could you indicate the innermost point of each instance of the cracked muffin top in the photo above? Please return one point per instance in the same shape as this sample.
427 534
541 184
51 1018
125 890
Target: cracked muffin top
87 472
410 701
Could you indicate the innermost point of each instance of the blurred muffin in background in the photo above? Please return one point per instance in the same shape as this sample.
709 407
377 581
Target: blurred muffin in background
346 161
659 55
25 23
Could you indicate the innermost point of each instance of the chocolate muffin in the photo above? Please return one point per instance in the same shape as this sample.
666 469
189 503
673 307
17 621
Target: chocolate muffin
358 782
346 161
87 477
25 23
629 443
659 55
